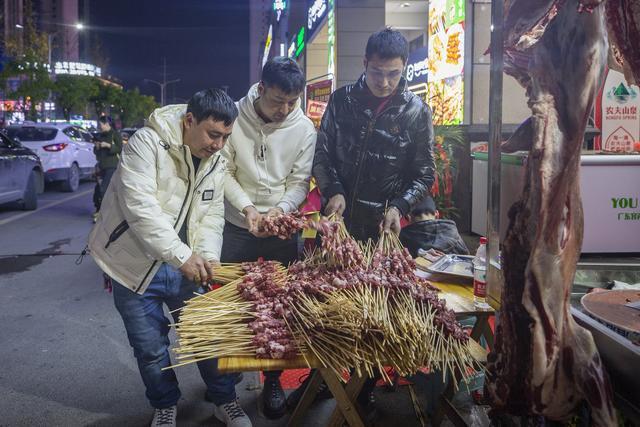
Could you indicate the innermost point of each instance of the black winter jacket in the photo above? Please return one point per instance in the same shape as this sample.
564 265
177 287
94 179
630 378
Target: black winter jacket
374 161
440 234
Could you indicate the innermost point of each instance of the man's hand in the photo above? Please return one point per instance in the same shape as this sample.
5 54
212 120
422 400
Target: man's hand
275 211
102 144
336 205
252 217
391 220
197 269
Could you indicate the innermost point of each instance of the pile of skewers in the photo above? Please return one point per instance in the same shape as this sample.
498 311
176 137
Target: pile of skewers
347 305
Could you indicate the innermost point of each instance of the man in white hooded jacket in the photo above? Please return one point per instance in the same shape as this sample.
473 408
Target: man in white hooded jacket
269 159
159 234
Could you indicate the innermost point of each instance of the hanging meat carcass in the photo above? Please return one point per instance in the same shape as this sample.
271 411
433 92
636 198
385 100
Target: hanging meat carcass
623 22
543 362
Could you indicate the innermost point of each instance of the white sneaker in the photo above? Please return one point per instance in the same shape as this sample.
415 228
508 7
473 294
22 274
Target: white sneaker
231 414
165 417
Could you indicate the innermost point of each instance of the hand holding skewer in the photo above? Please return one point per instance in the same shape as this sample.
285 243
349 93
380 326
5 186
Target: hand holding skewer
197 269
391 220
337 205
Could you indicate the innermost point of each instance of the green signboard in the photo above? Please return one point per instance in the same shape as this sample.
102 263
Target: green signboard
454 12
300 42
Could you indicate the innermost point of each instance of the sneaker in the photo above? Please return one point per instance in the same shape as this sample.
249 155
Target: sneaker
273 398
165 417
296 395
231 414
94 217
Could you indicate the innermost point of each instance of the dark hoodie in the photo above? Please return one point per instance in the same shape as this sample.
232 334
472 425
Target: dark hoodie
439 234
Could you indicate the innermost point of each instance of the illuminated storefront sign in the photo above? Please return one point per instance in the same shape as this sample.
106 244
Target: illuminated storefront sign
445 63
417 68
77 69
267 45
278 7
297 44
300 42
331 39
317 12
292 49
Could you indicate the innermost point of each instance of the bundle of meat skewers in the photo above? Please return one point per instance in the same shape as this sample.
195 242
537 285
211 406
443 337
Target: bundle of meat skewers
347 305
283 225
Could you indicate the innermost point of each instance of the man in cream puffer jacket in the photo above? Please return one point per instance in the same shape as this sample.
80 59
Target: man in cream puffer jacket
159 233
269 159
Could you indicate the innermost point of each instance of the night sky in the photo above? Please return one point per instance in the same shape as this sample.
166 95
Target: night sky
206 43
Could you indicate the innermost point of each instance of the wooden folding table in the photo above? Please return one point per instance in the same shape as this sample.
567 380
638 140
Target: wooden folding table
459 298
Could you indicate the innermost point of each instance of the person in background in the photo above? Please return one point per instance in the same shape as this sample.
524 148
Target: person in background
159 236
107 148
426 232
269 156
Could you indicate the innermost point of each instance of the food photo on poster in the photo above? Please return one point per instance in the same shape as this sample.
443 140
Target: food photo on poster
445 62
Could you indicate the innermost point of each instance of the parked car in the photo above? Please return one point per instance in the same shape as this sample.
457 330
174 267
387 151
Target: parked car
21 174
66 151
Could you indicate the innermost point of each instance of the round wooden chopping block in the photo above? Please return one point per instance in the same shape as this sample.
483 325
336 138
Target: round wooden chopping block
609 308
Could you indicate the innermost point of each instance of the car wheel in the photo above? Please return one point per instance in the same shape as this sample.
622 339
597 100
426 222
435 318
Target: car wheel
39 182
30 198
72 182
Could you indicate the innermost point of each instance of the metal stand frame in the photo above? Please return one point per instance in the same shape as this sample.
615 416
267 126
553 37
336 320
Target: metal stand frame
494 277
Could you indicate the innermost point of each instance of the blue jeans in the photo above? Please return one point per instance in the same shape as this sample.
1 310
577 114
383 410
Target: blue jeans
148 329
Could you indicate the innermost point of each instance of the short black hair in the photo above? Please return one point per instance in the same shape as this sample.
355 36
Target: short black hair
388 44
425 206
214 103
284 73
106 120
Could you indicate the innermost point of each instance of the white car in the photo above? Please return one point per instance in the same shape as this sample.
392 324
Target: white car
66 151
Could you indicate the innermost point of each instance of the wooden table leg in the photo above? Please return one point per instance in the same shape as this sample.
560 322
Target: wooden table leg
482 329
345 398
306 400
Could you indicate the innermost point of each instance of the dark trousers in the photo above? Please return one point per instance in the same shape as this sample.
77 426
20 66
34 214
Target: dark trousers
101 186
364 231
238 245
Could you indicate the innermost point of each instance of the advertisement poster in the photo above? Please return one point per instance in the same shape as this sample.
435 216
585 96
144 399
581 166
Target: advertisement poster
320 91
317 98
619 114
446 61
315 111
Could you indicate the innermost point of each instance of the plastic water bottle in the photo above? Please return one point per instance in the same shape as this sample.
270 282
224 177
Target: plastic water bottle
480 276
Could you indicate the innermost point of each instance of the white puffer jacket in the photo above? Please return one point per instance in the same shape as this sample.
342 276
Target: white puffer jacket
153 191
269 164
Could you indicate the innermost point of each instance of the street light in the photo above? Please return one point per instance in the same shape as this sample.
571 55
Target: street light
49 40
20 42
78 26
163 86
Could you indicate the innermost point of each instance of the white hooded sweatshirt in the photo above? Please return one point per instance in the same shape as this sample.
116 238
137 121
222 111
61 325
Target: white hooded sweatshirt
269 164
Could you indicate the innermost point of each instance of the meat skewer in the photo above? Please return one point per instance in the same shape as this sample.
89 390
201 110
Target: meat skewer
543 362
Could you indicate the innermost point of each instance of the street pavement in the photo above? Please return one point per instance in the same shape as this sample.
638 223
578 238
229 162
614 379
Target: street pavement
64 355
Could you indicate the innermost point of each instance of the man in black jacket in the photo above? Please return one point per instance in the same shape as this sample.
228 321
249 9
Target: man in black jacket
374 150
374 147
